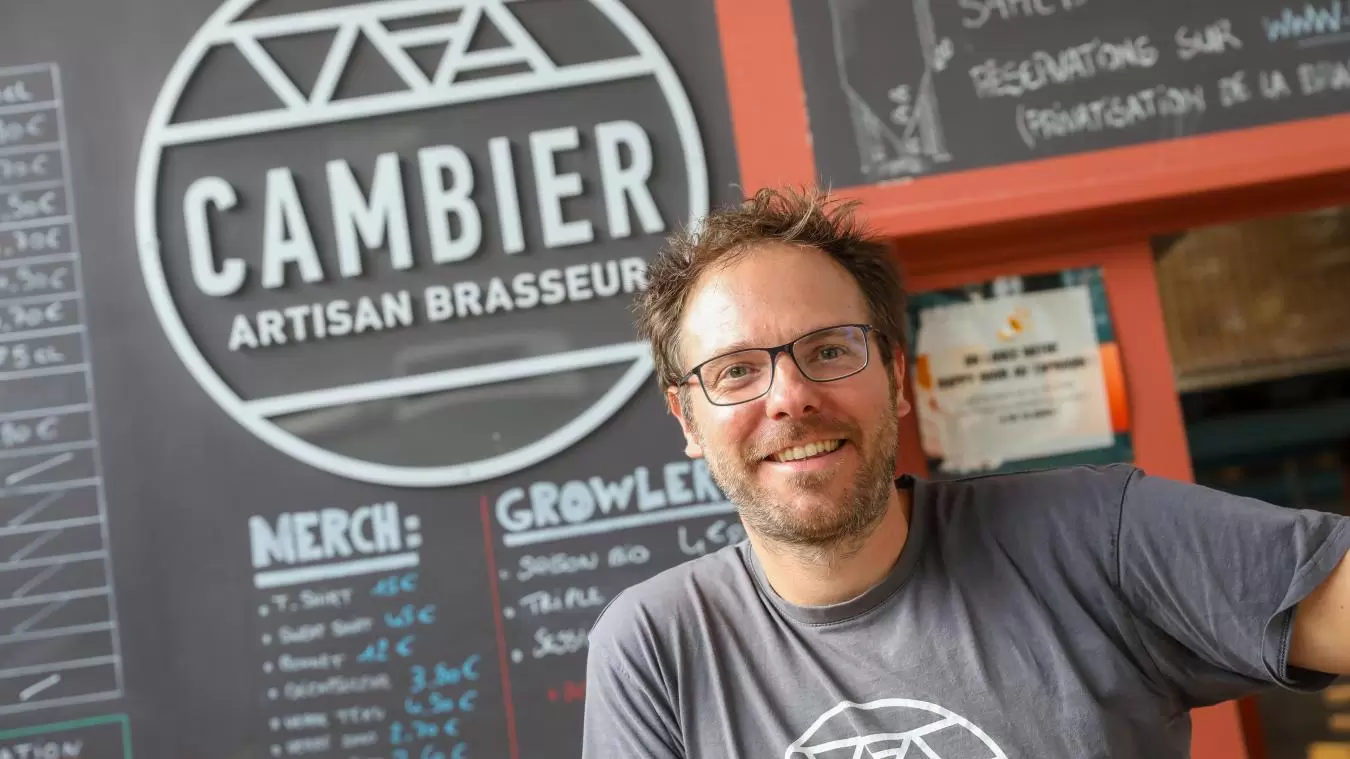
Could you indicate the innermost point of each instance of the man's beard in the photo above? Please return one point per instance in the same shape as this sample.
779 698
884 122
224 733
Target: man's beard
835 528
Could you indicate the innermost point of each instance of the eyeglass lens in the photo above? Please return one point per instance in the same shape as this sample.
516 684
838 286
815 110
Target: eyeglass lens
821 356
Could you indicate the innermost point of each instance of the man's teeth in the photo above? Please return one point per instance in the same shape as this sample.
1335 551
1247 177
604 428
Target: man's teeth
806 451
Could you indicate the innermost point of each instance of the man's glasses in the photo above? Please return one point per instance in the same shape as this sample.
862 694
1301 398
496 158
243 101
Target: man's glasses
825 355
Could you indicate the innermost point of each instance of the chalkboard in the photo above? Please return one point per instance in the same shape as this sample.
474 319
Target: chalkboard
323 427
899 89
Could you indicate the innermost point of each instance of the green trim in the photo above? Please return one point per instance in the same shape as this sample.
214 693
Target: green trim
109 719
1214 441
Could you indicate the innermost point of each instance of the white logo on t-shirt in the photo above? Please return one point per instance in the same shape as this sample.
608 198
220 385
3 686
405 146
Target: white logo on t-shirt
893 728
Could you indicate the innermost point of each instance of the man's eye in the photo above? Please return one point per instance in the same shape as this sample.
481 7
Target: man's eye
735 374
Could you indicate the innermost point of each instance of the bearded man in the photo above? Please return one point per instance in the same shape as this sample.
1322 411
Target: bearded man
1078 612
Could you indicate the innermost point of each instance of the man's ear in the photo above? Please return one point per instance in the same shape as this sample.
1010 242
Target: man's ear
902 405
692 448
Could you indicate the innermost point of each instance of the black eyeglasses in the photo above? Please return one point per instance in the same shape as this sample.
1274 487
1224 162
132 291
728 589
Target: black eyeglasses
825 355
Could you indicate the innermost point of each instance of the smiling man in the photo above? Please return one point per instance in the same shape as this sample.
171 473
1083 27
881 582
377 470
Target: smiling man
1078 612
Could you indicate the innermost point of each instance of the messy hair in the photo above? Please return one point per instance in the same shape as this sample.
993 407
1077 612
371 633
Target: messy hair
806 218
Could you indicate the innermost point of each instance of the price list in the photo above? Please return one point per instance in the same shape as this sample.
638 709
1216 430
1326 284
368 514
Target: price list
565 550
58 627
359 657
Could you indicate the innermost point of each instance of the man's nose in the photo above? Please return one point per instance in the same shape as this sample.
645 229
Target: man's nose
791 394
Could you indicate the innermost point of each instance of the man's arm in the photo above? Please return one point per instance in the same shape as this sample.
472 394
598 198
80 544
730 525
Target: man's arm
1227 586
1321 634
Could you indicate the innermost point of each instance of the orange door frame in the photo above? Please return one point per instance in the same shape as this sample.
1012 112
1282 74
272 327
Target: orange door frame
1094 209
1157 428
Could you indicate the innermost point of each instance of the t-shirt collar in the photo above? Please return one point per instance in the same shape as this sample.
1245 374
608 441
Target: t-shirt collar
872 597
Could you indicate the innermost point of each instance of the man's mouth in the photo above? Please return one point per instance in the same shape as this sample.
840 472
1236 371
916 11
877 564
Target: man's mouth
806 451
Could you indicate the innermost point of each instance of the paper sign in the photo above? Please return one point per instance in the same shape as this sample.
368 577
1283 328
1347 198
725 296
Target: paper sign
1016 373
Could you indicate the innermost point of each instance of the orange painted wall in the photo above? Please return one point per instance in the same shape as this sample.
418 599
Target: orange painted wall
1081 210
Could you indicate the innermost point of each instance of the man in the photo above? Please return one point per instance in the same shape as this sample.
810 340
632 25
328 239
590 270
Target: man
1068 613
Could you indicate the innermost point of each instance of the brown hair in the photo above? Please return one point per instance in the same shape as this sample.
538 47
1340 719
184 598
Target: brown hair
808 218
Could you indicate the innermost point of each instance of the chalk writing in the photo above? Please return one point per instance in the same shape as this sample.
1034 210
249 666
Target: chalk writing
559 642
383 648
1072 64
1234 90
1216 38
977 13
556 564
1308 21
33 354
718 534
1317 77
572 691
543 602
1274 85
1110 112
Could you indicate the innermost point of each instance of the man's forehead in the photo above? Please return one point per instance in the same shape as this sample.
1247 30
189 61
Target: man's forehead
757 303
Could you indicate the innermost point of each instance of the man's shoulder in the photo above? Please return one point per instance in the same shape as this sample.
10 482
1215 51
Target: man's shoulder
1057 482
1041 520
660 607
1074 487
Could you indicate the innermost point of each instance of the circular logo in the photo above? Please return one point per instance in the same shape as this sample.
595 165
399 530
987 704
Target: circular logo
893 727
399 240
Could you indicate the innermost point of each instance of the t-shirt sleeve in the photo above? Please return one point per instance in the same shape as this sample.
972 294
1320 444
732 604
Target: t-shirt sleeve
1214 580
627 713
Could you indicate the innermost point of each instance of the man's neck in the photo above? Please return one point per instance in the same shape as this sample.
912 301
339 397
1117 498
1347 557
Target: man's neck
833 575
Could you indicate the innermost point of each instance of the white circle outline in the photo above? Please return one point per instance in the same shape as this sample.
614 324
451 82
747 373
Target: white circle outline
384 474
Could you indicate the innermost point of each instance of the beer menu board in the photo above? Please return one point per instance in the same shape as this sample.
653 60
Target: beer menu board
900 89
324 428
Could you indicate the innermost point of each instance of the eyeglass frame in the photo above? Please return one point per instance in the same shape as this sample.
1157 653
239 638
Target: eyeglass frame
867 330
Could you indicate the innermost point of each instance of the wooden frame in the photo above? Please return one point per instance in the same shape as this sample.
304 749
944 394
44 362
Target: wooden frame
773 142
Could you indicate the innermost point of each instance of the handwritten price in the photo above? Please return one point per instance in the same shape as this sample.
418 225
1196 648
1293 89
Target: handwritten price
395 584
410 615
380 650
460 751
421 731
443 675
25 279
19 316
22 356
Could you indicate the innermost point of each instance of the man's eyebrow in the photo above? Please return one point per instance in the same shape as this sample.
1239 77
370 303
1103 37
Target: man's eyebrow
738 345
743 344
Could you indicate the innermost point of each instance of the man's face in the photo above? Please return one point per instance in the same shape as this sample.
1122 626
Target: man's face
772 295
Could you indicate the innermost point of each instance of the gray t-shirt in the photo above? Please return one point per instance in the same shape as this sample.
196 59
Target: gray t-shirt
1069 613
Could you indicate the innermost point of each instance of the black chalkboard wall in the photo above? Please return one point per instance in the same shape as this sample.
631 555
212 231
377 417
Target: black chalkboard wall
322 427
907 88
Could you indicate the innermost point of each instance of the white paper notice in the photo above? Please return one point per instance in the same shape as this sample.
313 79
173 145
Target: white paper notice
1010 378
